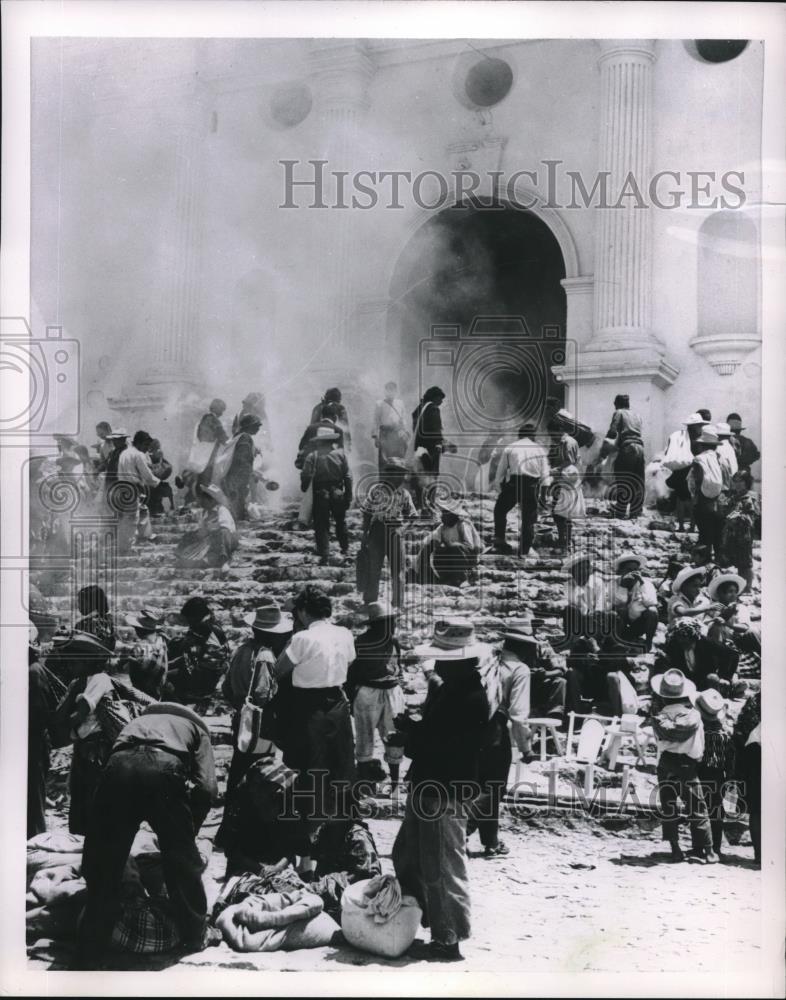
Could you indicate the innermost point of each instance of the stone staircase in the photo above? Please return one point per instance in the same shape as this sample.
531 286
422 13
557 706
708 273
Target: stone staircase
276 559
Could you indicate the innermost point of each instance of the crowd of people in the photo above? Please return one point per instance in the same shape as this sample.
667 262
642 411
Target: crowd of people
309 698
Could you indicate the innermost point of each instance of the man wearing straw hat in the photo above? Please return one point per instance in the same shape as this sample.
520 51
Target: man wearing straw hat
680 736
450 553
326 470
429 854
249 678
373 684
705 481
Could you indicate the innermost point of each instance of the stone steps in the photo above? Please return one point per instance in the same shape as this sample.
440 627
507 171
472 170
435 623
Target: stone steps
275 560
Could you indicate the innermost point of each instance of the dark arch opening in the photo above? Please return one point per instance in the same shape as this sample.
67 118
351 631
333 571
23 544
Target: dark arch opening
477 307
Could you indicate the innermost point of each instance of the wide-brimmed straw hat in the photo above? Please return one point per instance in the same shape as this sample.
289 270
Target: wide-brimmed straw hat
627 557
453 639
693 419
722 429
684 575
119 432
710 703
673 684
708 436
377 610
268 617
450 504
148 619
721 578
82 646
578 557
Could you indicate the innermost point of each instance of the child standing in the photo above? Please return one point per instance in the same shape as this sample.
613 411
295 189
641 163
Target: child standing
717 766
680 735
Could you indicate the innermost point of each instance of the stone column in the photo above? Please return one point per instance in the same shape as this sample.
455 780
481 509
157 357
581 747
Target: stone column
623 354
623 264
340 73
177 318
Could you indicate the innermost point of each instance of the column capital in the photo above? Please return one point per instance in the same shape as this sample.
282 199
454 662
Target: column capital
342 70
625 48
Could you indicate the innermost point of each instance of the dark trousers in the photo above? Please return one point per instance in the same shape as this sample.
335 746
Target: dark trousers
709 524
628 485
644 627
493 770
548 695
156 497
37 771
524 491
713 783
322 750
678 778
564 531
329 502
424 480
142 785
384 541
430 861
751 768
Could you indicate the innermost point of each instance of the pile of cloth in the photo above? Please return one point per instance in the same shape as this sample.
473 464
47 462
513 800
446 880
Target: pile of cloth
55 887
273 908
56 893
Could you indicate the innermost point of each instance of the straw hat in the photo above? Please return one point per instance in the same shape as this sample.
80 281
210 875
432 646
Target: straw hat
451 505
684 575
721 578
268 617
146 618
377 610
628 557
710 703
708 436
673 684
576 559
694 418
453 639
723 430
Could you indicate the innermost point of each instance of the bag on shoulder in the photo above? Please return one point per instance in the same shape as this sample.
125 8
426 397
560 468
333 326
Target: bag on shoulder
712 481
257 720
678 454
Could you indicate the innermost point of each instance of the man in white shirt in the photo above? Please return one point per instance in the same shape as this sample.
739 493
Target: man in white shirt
390 432
522 469
133 468
319 745
587 597
636 601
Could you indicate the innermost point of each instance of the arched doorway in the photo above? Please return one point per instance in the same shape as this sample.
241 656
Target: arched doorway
477 307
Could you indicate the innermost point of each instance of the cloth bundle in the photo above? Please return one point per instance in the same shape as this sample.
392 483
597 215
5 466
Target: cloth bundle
382 898
277 921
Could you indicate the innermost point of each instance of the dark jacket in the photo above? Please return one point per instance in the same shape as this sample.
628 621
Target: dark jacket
445 745
211 429
378 661
427 425
181 732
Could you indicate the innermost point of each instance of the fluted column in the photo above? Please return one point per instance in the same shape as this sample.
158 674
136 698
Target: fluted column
176 318
341 71
623 268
